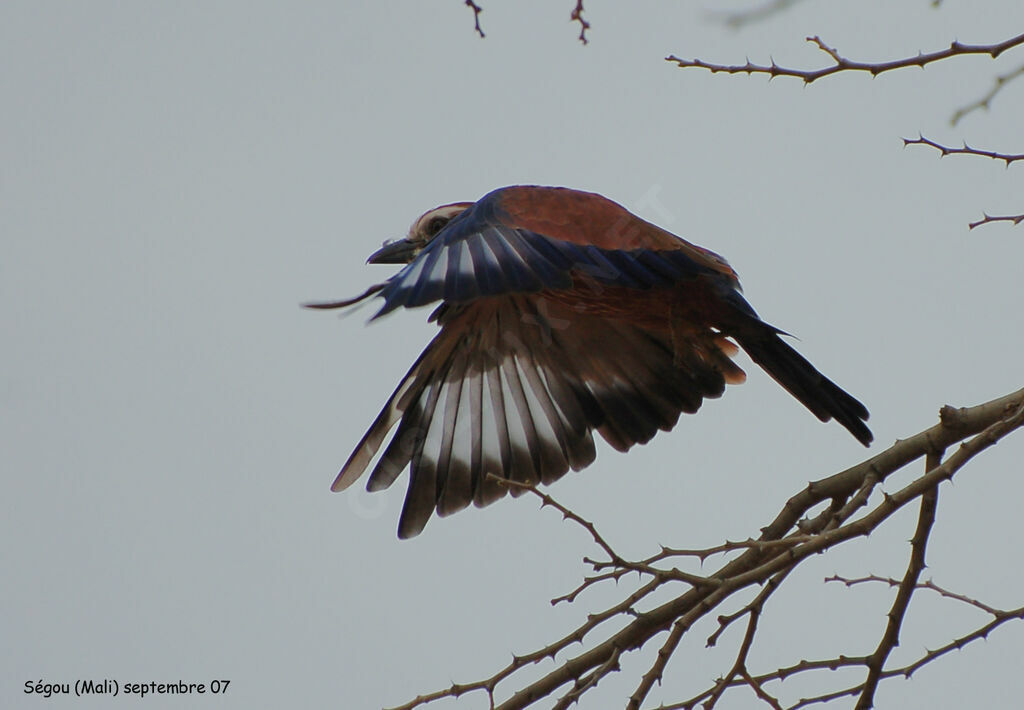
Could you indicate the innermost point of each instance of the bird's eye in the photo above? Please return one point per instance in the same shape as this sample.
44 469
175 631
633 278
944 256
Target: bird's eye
435 225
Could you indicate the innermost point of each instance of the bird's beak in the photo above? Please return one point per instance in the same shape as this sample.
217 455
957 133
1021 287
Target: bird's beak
400 251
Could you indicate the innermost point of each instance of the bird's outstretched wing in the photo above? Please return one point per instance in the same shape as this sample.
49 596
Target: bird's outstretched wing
515 386
562 313
498 246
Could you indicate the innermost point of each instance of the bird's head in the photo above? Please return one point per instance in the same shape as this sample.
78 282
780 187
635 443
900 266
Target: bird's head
422 231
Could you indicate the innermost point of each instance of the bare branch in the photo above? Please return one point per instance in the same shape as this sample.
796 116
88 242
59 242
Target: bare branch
476 16
570 597
905 671
741 18
728 546
589 681
890 639
546 500
766 562
760 691
985 101
619 564
944 150
577 16
987 219
550 651
982 633
750 569
929 584
966 150
832 664
841 63
657 668
739 666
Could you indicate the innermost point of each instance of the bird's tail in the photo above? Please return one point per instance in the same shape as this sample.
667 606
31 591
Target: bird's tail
791 370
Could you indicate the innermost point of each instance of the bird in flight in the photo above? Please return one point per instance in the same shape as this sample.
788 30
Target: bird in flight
561 314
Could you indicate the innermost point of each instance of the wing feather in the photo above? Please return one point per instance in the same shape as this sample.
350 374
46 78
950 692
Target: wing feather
516 387
457 267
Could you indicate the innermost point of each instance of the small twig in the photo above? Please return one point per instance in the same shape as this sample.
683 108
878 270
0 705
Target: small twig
613 575
843 64
966 150
944 150
657 668
550 651
929 584
665 575
577 16
988 219
729 546
832 664
476 16
981 633
740 664
857 501
985 101
587 682
891 637
761 692
548 501
755 606
740 18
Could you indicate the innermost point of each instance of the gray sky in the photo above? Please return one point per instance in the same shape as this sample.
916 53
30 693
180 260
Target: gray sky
177 178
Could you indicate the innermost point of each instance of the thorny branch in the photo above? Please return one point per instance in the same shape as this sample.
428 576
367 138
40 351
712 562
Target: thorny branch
891 638
844 64
988 219
944 150
575 16
966 150
841 63
986 101
929 584
797 533
741 18
476 16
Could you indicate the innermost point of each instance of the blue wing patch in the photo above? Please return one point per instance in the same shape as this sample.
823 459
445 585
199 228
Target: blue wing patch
470 260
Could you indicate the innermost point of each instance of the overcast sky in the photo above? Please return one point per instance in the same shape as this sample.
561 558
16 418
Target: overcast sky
176 178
